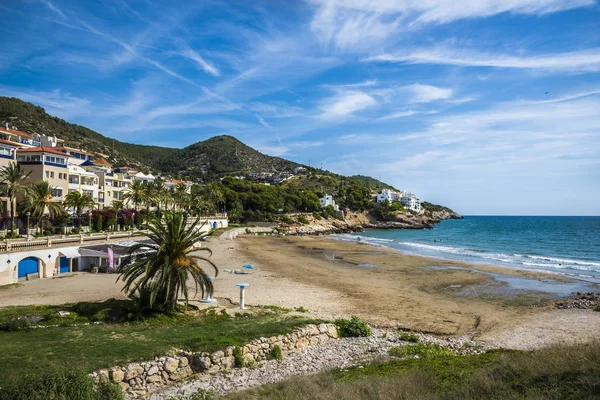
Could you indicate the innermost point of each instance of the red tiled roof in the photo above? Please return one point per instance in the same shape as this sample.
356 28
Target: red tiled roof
42 149
8 142
14 132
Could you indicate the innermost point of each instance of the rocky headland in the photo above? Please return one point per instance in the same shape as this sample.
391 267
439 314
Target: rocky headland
358 221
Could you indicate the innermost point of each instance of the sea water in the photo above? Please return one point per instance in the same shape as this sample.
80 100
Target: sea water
563 245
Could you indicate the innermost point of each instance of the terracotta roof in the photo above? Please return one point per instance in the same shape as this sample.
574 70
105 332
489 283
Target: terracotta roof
42 149
176 181
102 161
14 132
15 144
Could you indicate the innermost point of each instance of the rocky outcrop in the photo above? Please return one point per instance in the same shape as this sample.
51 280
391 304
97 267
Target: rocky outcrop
358 221
137 380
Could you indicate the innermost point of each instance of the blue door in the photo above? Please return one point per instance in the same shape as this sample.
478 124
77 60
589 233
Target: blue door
64 265
28 265
214 225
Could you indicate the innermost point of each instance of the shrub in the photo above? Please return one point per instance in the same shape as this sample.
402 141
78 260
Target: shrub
317 216
597 308
353 327
238 357
275 353
202 395
99 223
15 324
287 220
409 337
58 384
422 350
302 219
302 309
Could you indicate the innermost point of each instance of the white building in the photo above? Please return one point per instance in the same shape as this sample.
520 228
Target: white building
327 200
84 182
297 170
389 196
411 202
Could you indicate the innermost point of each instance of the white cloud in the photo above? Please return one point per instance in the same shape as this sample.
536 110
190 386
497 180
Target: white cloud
426 93
358 24
263 122
203 64
583 60
346 104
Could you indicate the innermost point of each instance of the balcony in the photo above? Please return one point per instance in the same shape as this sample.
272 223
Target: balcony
73 182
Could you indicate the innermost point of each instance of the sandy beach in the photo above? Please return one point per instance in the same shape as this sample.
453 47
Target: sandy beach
335 279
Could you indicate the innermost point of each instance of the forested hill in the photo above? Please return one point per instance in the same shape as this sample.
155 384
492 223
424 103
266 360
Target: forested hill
216 156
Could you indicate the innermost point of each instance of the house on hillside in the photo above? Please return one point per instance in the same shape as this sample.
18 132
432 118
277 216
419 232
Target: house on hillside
389 196
327 200
411 202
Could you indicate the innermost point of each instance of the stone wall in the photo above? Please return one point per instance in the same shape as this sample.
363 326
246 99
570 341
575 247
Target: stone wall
139 379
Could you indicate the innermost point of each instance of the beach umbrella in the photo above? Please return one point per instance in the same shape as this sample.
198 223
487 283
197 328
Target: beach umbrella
248 266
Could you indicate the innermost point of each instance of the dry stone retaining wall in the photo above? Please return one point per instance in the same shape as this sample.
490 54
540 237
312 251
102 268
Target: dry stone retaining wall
139 379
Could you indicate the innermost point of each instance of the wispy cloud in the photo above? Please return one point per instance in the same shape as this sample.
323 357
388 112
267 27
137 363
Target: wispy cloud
426 93
583 60
346 104
263 122
203 64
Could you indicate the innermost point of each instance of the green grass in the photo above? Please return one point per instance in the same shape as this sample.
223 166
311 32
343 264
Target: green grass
91 347
421 350
555 373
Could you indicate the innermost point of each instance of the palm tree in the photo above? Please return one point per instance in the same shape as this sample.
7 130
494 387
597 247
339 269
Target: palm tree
39 201
180 194
158 277
215 194
12 178
135 193
78 202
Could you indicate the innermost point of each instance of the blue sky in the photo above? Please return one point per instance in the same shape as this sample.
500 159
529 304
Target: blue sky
488 106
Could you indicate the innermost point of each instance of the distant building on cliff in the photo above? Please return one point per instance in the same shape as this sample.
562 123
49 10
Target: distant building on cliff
408 200
327 200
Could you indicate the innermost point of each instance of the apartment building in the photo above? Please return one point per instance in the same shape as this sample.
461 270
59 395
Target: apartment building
15 136
84 182
47 164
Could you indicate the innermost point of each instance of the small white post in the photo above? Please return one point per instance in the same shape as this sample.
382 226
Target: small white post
208 299
242 288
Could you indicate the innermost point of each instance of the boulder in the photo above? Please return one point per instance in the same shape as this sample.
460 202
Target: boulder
227 362
217 355
214 370
154 379
132 371
183 362
116 375
332 331
182 373
322 328
153 370
171 365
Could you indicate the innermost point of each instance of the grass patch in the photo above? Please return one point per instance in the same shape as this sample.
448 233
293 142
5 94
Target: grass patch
421 350
92 347
11 286
409 337
559 372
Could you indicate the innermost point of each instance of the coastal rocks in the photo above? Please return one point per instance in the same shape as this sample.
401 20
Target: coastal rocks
579 300
139 379
358 221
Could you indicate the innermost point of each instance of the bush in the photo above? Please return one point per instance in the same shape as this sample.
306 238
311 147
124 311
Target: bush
409 337
99 223
58 384
353 327
287 220
275 353
317 216
597 308
302 219
15 324
238 357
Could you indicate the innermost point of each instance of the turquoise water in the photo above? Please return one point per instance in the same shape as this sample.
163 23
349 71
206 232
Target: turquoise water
564 245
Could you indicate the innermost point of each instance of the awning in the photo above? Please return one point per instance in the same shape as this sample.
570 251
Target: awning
70 252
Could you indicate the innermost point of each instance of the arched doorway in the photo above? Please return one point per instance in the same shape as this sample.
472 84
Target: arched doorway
64 265
214 225
29 265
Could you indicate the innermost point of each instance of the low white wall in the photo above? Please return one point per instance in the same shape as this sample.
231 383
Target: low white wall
49 263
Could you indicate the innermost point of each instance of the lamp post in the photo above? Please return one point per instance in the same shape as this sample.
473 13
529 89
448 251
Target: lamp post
28 215
90 220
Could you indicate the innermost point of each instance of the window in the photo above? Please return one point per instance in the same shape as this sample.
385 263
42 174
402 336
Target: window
60 175
52 174
47 174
